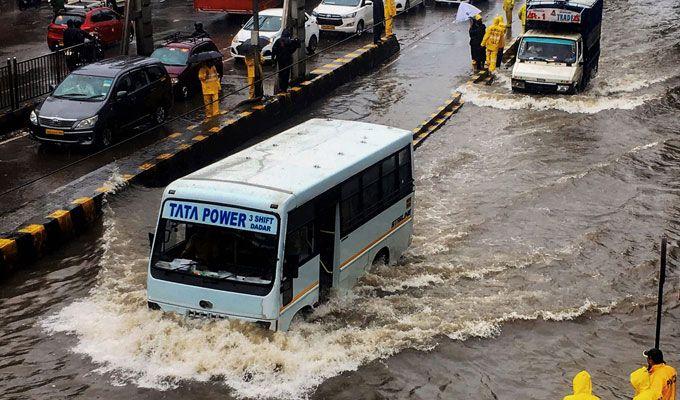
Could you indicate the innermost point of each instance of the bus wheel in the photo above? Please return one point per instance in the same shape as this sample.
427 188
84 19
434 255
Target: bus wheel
382 258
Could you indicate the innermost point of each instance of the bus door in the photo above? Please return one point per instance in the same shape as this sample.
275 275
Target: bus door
300 260
325 230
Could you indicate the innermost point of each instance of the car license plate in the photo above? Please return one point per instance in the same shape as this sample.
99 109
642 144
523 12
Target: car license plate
54 131
327 27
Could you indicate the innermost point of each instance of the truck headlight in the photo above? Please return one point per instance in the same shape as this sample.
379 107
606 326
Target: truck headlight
562 88
518 83
350 15
86 123
33 117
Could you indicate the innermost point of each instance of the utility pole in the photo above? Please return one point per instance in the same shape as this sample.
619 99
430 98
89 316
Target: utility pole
254 67
662 280
294 19
124 45
138 11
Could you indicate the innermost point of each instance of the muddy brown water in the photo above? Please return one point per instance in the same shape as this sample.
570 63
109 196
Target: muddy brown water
534 255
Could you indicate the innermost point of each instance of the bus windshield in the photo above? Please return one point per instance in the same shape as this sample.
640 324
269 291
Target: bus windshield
547 49
215 252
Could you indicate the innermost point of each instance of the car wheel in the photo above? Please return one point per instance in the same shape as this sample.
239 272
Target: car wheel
313 41
159 115
104 138
360 28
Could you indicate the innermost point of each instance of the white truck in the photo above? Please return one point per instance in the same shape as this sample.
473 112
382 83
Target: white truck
560 50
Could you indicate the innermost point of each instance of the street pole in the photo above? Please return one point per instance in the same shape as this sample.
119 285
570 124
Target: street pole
662 279
297 8
124 45
258 90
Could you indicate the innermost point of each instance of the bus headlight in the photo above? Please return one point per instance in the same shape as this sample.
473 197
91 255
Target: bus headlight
33 117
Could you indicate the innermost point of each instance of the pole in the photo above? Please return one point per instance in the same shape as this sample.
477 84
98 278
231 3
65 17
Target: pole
257 89
662 279
297 8
124 45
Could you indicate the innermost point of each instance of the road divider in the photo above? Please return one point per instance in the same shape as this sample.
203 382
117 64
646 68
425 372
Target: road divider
187 149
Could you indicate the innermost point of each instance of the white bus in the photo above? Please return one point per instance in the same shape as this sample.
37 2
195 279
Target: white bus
269 231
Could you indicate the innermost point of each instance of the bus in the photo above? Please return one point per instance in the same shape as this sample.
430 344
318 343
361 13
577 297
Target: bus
234 6
275 228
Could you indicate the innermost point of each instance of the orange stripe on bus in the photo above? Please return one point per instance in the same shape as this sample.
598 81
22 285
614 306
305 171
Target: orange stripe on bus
299 295
365 249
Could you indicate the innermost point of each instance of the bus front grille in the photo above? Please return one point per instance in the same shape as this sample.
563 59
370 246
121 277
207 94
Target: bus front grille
203 315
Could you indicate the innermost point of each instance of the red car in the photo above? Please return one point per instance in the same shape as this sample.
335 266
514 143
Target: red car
102 21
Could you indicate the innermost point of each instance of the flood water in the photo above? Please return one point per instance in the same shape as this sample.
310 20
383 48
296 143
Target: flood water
535 252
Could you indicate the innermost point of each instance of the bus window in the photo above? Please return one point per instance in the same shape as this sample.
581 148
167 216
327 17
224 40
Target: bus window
389 179
405 179
370 181
300 244
350 204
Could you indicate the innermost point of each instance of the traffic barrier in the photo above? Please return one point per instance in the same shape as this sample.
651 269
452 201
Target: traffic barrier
185 151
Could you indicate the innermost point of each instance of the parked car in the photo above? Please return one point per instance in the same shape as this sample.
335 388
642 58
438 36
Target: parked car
105 23
270 32
99 101
407 5
177 55
348 16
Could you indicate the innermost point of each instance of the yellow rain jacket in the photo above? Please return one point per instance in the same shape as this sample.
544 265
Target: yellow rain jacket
664 378
508 5
494 37
522 14
642 385
210 80
583 388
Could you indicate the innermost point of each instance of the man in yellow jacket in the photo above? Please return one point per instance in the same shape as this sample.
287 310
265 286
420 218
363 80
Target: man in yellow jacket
522 14
583 388
508 6
663 377
210 85
494 41
390 13
642 385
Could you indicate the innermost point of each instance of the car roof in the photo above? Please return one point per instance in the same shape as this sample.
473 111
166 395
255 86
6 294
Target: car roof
278 12
115 66
187 43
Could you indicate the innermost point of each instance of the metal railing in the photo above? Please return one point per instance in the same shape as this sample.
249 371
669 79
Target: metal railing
21 81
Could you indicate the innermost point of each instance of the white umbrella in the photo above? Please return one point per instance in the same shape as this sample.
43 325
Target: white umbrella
466 11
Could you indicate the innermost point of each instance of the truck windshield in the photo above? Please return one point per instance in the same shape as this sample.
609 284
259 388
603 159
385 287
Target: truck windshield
214 252
547 49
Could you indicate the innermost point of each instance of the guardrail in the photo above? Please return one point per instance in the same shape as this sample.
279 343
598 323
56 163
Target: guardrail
21 81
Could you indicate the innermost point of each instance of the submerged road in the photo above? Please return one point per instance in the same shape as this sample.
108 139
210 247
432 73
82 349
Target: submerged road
534 256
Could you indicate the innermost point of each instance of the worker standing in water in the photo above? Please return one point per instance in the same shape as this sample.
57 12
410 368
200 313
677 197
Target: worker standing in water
494 41
583 388
508 6
663 377
390 13
210 85
477 31
642 384
378 20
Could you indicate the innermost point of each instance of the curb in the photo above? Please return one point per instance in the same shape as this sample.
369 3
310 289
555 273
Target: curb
198 146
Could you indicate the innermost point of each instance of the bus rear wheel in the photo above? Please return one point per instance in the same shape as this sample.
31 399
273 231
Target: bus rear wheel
382 258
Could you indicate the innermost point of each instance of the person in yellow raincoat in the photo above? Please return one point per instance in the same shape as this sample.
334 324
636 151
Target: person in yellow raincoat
583 388
663 377
494 41
210 85
643 385
508 6
390 13
522 14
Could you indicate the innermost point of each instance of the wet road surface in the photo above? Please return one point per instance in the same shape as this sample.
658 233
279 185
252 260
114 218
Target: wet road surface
534 256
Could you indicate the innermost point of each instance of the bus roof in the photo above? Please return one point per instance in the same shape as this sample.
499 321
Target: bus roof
301 162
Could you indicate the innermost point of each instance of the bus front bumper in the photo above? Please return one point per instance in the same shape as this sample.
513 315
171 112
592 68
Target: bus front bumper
210 315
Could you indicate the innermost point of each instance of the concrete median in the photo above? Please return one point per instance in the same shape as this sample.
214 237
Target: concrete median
76 206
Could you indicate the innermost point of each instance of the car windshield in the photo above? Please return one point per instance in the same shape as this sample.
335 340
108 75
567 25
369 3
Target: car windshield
84 87
350 3
547 49
215 252
171 55
64 18
268 23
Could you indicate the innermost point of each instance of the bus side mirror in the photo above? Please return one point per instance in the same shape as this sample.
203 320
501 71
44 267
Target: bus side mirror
290 266
151 238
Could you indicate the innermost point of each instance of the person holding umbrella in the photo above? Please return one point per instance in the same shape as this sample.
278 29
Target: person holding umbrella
210 85
283 51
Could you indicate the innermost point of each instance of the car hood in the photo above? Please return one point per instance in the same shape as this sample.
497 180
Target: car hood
244 35
332 9
544 71
69 109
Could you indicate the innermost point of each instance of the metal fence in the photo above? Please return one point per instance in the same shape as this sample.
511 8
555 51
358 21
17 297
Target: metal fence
21 81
